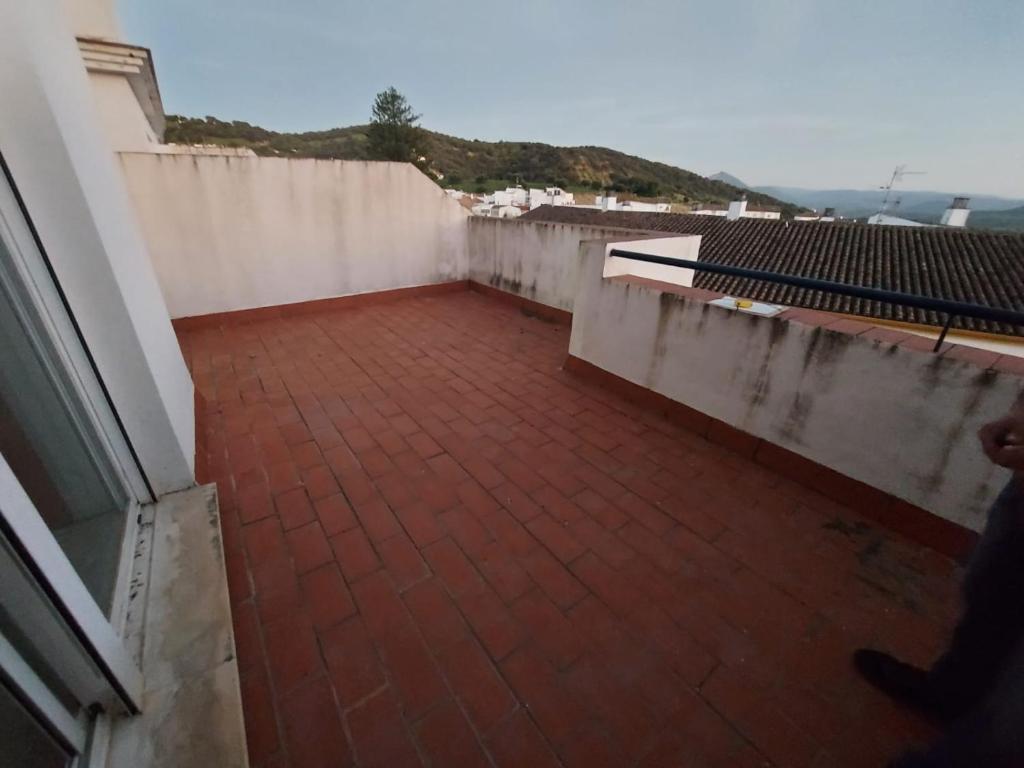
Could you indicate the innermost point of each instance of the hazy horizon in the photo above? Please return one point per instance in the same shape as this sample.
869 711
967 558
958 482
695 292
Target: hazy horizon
819 95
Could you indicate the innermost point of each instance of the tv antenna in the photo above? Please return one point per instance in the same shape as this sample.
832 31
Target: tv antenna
897 176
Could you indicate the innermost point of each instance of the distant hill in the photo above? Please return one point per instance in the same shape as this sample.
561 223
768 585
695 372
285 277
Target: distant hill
1010 220
475 165
921 206
728 178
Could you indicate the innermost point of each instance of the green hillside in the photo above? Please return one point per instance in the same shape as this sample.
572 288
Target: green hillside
483 165
1010 220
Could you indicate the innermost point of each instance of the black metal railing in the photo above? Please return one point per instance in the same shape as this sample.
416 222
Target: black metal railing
951 309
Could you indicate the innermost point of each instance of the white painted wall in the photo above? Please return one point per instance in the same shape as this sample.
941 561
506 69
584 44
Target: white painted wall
230 233
508 196
676 247
540 261
737 209
747 213
93 18
536 260
955 217
505 212
636 205
59 158
124 122
900 420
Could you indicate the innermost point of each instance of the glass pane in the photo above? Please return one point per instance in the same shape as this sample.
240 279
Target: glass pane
52 451
20 596
23 740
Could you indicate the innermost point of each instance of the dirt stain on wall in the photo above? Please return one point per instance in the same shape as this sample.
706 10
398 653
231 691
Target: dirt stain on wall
980 385
666 310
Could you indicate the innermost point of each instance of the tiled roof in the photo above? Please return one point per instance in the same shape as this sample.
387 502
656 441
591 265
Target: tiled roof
979 267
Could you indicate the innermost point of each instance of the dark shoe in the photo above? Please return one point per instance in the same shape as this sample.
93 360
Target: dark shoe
905 683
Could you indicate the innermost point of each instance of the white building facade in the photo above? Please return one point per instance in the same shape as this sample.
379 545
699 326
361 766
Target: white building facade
738 209
954 216
550 196
611 203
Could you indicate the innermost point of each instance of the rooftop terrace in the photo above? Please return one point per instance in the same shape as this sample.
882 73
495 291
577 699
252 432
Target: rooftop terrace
455 533
445 549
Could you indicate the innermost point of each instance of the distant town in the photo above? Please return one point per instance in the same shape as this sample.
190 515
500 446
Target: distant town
512 202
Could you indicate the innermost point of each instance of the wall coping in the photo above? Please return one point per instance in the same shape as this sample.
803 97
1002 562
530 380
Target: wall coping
983 359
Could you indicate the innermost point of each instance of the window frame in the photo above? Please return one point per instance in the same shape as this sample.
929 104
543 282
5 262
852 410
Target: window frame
86 647
22 682
77 639
54 334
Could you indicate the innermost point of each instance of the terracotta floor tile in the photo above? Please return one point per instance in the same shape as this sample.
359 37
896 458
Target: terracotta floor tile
445 737
479 557
352 662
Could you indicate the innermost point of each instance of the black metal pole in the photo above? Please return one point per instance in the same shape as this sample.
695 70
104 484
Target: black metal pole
953 308
945 330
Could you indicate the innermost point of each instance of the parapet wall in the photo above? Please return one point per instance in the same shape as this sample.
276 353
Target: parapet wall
890 415
232 233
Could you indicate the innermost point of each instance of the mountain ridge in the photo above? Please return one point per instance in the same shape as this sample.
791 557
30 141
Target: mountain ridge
921 205
992 212
728 178
475 165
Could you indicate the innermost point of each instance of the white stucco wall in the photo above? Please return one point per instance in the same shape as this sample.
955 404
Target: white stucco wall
539 261
93 18
230 233
124 122
897 419
53 142
686 247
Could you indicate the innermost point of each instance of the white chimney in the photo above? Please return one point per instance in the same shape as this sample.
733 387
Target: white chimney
957 213
737 208
609 203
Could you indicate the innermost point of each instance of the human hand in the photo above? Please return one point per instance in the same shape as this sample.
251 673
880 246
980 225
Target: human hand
1003 440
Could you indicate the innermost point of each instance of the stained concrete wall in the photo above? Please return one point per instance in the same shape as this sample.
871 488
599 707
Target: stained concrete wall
900 420
536 260
229 233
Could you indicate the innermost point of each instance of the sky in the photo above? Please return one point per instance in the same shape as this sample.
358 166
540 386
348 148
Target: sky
810 93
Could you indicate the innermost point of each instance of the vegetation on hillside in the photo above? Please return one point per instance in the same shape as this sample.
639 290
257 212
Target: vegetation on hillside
477 166
1010 220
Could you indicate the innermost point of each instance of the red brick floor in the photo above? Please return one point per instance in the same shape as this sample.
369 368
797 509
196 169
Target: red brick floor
444 550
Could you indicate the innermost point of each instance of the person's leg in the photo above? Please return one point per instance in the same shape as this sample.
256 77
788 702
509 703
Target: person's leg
991 625
991 735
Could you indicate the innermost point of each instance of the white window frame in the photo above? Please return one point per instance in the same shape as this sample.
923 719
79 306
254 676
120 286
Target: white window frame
37 287
84 648
19 678
41 290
